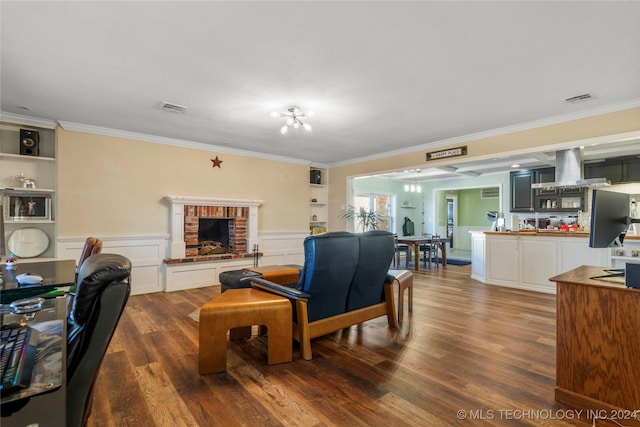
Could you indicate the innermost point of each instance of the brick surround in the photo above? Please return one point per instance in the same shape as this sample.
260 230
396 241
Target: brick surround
238 217
185 212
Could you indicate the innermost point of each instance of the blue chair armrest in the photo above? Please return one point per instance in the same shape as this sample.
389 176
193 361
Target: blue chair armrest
284 291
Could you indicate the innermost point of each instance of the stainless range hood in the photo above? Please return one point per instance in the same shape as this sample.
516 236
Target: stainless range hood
569 173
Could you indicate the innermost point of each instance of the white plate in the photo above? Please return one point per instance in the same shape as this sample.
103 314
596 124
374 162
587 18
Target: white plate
28 242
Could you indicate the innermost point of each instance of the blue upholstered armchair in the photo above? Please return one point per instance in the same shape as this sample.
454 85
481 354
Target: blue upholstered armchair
343 282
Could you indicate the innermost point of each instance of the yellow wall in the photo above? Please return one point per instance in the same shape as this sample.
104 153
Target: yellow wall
530 140
111 186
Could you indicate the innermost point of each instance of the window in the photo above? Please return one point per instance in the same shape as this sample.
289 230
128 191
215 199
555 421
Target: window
378 203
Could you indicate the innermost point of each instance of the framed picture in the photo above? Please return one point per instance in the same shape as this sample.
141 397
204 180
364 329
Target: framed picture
26 207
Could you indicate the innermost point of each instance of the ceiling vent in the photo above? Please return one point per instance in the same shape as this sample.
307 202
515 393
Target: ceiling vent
172 108
489 192
578 98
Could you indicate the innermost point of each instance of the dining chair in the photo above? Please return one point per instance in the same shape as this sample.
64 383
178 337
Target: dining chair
430 250
400 249
435 248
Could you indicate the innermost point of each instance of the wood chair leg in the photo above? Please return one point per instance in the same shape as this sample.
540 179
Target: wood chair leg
303 330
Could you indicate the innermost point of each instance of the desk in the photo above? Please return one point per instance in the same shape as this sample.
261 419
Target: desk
414 242
55 274
597 344
48 408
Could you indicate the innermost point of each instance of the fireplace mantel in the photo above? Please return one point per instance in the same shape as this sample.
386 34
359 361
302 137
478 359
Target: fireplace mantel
178 203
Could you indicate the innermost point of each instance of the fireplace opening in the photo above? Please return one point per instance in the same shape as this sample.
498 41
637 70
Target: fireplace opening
213 236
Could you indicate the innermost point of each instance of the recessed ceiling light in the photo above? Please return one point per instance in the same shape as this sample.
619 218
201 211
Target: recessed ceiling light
515 165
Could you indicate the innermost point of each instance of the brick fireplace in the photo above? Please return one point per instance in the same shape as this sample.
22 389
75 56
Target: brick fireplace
240 225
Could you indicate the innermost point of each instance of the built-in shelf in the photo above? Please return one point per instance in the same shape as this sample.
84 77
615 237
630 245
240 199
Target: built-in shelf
27 190
627 258
27 158
318 194
41 169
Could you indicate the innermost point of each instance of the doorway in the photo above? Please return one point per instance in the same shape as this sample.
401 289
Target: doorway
452 216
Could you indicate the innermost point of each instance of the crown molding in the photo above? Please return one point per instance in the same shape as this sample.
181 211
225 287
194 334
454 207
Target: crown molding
611 108
27 121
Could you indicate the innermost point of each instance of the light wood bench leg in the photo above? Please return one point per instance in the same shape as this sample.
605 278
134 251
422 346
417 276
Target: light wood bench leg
213 344
236 310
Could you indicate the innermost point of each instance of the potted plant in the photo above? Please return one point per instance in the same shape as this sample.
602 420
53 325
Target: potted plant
366 220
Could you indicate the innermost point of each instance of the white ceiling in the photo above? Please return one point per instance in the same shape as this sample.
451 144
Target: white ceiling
380 76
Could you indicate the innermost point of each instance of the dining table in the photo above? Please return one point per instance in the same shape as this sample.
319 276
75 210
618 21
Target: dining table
414 243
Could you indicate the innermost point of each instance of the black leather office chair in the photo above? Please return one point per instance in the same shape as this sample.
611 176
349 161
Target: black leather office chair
103 288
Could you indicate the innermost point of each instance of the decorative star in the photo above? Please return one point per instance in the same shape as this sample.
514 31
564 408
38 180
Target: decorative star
216 162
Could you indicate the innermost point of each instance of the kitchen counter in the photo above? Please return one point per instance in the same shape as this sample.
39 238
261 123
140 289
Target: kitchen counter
554 233
527 259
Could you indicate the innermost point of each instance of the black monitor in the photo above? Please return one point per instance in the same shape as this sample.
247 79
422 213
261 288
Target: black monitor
609 218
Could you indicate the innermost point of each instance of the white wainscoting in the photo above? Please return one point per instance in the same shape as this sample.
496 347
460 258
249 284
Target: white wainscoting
145 252
282 248
277 248
190 275
151 274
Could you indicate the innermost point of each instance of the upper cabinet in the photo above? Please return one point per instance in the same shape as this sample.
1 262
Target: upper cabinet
521 193
318 200
618 170
27 189
525 199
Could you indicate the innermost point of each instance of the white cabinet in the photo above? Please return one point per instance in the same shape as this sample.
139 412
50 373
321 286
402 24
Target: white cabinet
504 267
28 204
478 256
630 252
318 200
527 261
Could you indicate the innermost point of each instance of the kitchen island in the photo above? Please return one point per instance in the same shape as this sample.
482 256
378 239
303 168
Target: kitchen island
527 259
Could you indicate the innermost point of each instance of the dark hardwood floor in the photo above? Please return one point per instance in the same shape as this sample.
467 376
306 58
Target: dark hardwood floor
469 354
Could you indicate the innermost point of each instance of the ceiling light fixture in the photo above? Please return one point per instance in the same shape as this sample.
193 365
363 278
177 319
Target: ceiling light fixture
293 116
412 188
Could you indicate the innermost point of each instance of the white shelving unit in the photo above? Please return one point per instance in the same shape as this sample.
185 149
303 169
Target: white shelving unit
318 200
631 247
40 168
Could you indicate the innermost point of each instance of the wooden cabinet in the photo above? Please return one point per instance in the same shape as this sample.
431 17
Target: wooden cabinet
521 193
318 200
617 170
544 175
597 345
525 199
14 196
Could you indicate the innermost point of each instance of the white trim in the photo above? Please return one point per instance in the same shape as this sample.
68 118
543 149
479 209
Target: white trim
210 201
25 120
146 254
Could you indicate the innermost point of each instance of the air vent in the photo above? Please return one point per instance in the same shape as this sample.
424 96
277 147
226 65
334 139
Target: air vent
173 108
490 192
578 98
